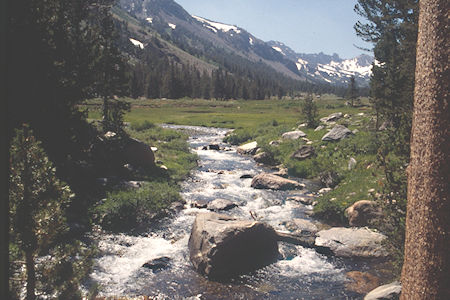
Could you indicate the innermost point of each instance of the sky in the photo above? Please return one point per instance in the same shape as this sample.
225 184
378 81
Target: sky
307 26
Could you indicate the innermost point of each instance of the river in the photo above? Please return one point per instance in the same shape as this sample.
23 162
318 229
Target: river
300 274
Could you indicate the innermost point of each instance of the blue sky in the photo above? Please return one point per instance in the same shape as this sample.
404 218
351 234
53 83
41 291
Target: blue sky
307 26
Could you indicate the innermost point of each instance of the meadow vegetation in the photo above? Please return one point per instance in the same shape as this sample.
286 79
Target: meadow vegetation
265 121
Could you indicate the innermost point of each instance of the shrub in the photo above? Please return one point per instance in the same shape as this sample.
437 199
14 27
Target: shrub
125 210
141 126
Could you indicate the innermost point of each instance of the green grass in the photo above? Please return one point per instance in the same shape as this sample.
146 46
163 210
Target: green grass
264 121
227 114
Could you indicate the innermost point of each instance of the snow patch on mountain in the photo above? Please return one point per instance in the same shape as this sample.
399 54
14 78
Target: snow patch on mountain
346 68
137 43
150 20
301 64
278 49
216 25
250 40
173 26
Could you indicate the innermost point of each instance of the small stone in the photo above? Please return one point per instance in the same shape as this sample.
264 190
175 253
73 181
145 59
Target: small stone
293 135
325 190
320 127
351 163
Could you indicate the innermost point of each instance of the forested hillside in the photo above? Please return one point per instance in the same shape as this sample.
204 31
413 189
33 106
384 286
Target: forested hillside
174 55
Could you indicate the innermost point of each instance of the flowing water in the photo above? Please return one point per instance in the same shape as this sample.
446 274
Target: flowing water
300 274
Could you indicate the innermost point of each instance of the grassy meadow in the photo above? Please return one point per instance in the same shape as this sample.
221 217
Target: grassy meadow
226 114
265 121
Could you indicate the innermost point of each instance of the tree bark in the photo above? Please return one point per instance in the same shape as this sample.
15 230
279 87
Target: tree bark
426 269
31 275
4 157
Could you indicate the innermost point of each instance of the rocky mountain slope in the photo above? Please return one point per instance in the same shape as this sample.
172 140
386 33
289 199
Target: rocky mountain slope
211 44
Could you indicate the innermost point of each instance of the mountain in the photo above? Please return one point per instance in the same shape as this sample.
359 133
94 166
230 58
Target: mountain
159 35
328 68
172 21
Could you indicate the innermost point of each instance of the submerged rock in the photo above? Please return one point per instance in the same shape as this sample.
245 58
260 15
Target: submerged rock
273 182
384 292
221 204
222 247
246 176
157 264
350 242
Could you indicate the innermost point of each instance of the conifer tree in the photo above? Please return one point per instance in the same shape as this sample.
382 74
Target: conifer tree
309 110
392 28
38 201
352 91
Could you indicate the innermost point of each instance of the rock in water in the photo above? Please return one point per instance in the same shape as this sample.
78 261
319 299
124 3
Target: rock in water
384 292
220 204
157 264
273 182
304 152
352 242
338 132
248 149
214 147
246 176
293 135
199 203
222 247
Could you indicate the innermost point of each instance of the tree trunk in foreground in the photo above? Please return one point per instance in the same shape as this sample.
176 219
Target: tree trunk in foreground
31 275
426 269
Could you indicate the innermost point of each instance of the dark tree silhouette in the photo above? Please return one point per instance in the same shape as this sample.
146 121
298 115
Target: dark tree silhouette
426 267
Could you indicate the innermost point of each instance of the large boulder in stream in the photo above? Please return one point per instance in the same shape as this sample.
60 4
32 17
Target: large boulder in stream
352 242
221 246
274 182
